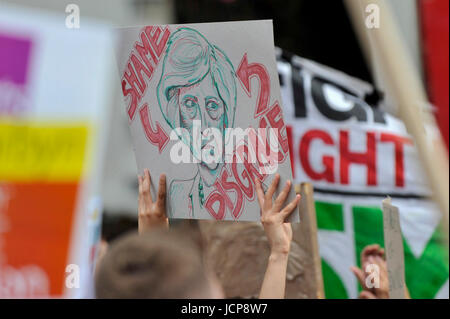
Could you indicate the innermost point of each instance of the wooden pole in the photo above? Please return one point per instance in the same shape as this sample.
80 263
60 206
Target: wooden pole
393 243
305 235
386 44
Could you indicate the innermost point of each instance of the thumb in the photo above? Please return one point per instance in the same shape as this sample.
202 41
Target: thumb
359 274
367 295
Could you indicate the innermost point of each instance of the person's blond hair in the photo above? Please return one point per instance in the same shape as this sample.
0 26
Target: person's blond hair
158 264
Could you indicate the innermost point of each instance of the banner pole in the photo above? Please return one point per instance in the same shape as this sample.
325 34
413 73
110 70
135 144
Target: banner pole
385 43
305 235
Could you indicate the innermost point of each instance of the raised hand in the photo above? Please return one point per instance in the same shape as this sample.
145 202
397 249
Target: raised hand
279 234
151 213
373 254
273 215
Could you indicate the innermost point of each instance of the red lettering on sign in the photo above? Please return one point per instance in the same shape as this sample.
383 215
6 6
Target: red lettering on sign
221 197
152 45
348 157
398 142
243 152
158 46
156 136
211 200
236 209
139 67
276 121
129 77
245 72
247 190
144 48
328 161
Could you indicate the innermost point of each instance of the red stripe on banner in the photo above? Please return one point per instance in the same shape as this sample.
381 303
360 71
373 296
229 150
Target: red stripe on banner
435 33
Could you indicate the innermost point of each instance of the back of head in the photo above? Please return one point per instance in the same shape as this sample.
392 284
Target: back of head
159 264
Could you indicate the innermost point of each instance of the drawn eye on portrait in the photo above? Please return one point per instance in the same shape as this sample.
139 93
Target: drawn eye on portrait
197 86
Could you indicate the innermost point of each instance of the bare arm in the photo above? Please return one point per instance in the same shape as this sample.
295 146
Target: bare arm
274 284
279 235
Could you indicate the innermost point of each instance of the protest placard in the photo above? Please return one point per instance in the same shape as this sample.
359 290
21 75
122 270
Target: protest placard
304 234
394 250
52 114
204 107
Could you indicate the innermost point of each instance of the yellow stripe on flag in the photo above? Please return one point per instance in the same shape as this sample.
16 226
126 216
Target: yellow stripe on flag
31 151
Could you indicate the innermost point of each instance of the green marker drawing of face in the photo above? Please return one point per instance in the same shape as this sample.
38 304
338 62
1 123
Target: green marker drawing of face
198 83
202 103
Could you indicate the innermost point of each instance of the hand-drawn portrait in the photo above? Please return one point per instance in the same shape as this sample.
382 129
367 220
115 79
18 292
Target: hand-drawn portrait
204 108
198 83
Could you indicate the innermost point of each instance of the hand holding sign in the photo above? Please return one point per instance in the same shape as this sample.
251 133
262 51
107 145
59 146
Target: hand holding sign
210 135
273 215
151 213
373 276
279 234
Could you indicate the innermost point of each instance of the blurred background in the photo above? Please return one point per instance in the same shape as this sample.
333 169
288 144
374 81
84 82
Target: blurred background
85 83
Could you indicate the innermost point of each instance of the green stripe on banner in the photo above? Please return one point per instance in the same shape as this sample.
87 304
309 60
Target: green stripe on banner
426 275
368 227
329 216
333 286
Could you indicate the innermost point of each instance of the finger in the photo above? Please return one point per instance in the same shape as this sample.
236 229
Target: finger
140 183
162 191
370 261
366 270
359 274
367 295
381 263
272 188
374 249
146 185
282 196
259 192
371 249
140 197
368 250
290 207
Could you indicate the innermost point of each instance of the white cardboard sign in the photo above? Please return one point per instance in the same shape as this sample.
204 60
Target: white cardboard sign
204 107
394 250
